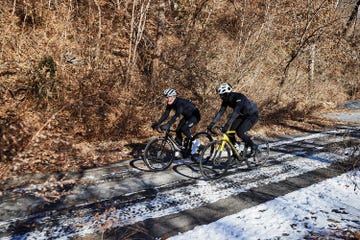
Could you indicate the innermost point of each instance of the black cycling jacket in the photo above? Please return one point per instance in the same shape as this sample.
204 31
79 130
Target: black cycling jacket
181 106
242 107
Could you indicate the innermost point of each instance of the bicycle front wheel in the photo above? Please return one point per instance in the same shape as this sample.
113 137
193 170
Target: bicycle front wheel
159 154
261 154
215 159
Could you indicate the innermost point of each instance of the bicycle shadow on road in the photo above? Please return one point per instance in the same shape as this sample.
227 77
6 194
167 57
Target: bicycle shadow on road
188 170
137 149
139 165
137 153
183 167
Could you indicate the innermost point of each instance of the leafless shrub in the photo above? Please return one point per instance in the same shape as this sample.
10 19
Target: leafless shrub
350 148
13 136
43 83
291 57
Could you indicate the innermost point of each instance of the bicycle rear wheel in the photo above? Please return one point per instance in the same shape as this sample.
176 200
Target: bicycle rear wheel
197 145
261 155
215 159
159 154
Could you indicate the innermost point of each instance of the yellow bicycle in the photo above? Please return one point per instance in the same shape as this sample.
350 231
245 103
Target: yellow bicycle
219 155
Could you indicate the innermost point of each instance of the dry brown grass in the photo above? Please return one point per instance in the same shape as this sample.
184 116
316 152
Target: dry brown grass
54 121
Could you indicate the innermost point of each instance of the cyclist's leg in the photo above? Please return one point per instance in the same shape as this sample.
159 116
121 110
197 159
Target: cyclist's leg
235 126
190 122
245 126
179 131
187 128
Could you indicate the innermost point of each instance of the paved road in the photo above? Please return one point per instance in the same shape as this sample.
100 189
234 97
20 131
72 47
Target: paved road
348 112
127 199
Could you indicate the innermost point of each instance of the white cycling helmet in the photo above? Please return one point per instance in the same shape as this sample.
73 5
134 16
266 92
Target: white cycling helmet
224 88
170 92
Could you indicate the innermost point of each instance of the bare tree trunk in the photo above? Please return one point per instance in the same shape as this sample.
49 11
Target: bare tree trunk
14 7
307 36
199 6
136 34
99 33
311 67
350 25
1 142
132 27
159 41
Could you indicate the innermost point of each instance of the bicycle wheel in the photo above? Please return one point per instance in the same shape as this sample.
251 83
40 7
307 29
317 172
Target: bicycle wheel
215 159
197 145
159 154
261 155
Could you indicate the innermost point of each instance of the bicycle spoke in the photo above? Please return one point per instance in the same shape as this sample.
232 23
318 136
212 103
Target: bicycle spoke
261 155
158 154
215 160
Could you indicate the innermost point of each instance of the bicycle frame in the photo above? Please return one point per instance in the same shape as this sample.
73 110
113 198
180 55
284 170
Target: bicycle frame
221 154
225 139
169 136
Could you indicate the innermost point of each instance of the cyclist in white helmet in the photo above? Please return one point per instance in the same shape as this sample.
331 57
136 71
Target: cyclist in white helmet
181 106
244 116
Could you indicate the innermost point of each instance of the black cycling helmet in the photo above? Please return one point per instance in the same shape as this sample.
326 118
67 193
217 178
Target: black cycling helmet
170 92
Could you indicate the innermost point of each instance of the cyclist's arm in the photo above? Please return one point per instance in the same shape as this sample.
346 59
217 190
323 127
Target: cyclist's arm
164 116
176 116
234 115
219 114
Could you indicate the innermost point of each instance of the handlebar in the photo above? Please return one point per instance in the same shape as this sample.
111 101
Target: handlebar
217 128
158 129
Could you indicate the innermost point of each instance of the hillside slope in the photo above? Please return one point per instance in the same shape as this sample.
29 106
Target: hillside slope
81 81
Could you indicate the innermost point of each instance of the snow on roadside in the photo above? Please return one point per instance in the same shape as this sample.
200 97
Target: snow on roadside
319 210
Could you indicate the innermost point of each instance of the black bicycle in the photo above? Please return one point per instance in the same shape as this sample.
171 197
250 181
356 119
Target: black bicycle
159 152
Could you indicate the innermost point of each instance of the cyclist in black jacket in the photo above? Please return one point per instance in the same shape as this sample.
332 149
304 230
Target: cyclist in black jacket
244 116
181 106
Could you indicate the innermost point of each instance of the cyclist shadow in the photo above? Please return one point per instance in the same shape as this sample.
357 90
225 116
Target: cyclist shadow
137 153
188 169
183 167
139 165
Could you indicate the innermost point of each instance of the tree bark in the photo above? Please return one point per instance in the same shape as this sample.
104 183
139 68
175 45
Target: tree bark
350 25
311 67
159 41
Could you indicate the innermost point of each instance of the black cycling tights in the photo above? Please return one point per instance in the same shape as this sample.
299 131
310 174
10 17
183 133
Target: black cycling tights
242 125
185 126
